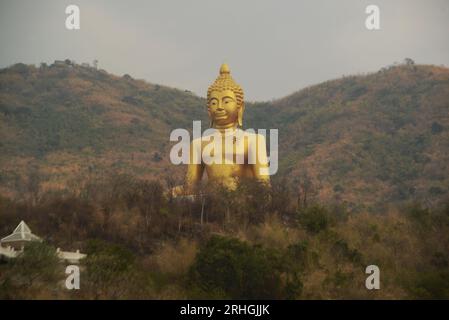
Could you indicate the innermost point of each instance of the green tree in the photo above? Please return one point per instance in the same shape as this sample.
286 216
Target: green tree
37 269
110 270
230 268
314 219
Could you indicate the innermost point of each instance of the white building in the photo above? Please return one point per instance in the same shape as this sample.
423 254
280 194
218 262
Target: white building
8 252
70 257
12 246
19 237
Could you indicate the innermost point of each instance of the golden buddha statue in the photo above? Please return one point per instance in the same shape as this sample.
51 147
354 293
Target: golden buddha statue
244 153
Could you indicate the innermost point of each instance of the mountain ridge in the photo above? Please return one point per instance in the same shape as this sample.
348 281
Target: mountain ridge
360 140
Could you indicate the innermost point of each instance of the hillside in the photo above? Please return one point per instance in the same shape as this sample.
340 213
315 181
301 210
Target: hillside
363 140
68 121
379 138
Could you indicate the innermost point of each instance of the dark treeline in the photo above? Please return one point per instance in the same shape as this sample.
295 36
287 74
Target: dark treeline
121 208
251 242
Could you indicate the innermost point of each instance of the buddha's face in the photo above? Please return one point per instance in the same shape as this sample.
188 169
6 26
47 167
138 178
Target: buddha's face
223 108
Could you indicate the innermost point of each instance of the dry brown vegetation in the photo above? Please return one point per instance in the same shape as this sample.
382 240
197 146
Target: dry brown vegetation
368 141
144 244
363 179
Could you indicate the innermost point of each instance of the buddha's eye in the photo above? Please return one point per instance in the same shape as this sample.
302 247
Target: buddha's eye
228 100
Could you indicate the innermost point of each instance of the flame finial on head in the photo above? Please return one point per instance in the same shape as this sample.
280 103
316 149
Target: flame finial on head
224 69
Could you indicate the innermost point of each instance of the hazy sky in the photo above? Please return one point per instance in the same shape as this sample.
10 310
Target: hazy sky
272 47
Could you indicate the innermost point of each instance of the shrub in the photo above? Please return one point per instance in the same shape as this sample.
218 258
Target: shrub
421 217
314 219
430 285
35 271
110 269
234 269
175 259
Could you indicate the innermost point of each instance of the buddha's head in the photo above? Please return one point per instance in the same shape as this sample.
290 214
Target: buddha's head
225 101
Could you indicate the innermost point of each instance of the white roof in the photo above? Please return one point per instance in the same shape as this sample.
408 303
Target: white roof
21 233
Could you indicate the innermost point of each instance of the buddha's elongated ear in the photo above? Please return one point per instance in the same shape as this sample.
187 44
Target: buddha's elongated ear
240 115
211 121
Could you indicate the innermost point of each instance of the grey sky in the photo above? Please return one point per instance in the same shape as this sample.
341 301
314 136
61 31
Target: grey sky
273 47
